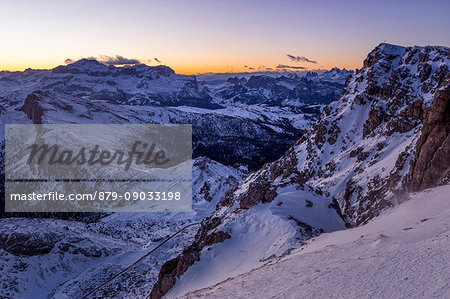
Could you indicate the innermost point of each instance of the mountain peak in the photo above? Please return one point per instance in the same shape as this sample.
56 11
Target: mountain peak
85 62
93 67
84 66
386 47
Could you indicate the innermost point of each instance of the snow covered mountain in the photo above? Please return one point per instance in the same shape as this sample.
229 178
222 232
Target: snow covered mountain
389 128
92 80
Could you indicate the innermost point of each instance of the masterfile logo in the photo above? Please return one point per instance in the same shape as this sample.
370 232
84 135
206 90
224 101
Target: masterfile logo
98 168
53 154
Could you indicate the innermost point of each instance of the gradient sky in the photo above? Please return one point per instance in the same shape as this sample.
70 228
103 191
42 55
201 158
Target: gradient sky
195 36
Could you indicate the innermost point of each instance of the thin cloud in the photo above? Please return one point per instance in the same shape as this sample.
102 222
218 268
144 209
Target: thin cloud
262 67
113 60
117 60
284 66
300 59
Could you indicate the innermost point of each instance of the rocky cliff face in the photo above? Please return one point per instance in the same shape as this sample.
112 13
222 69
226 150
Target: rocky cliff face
431 164
176 267
33 108
388 132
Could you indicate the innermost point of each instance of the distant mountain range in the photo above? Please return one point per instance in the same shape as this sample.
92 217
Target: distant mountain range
88 91
160 86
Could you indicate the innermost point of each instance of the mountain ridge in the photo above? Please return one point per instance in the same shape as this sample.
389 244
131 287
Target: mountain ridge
357 154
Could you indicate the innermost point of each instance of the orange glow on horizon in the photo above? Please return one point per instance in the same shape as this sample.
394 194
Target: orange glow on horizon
189 69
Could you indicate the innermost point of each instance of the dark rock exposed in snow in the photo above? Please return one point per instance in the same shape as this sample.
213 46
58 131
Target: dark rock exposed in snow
431 165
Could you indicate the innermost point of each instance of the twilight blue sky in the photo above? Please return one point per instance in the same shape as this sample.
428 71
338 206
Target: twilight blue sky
215 36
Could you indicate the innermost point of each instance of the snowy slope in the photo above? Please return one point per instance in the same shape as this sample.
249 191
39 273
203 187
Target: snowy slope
234 240
360 149
260 234
403 253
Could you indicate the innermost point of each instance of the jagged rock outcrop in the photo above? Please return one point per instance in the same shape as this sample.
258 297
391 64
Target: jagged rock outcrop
33 108
27 242
431 165
174 268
